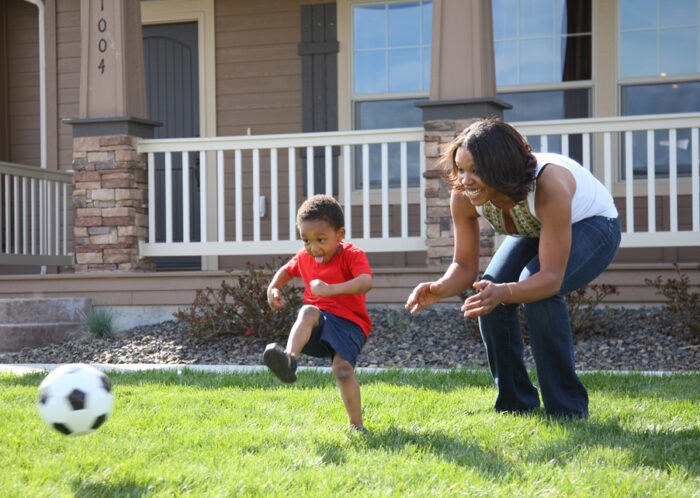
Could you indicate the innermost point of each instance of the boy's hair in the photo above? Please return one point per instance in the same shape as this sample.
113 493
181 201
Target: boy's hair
322 207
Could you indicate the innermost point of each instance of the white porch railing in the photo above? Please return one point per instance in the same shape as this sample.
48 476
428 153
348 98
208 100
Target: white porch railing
233 171
651 162
33 216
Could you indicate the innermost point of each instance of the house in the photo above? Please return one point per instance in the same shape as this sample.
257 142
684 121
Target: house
147 147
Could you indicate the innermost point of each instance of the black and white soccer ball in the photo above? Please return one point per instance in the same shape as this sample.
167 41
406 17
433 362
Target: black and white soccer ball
75 399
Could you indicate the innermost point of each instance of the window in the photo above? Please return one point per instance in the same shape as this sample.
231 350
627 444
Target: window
658 38
543 61
659 59
391 70
542 41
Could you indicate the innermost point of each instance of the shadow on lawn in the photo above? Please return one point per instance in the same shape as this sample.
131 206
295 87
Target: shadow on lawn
661 449
463 452
677 387
438 381
117 489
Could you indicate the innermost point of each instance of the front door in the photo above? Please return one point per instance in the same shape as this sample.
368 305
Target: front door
172 93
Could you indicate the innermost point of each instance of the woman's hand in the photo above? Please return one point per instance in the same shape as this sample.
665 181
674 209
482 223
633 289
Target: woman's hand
319 288
424 295
489 296
273 299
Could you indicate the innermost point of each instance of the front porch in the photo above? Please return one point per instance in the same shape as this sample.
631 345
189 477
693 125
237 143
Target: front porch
249 188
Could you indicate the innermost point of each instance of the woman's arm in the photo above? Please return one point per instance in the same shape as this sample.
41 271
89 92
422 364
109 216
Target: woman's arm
555 189
465 262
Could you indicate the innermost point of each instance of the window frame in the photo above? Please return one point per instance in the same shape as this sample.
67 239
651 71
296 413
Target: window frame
639 182
347 97
588 84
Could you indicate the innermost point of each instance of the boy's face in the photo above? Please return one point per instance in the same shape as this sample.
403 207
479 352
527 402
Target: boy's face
320 239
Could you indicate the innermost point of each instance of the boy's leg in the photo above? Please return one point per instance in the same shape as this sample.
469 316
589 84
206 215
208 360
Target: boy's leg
306 322
283 362
349 389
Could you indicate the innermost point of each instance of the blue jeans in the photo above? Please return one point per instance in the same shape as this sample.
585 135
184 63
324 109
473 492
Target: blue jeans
594 243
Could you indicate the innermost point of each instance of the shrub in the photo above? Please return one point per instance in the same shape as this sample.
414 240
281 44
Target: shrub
241 308
581 305
682 305
97 323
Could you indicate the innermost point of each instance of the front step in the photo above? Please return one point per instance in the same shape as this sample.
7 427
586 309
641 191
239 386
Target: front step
37 322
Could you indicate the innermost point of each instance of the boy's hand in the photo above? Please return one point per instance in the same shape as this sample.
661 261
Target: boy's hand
319 288
273 299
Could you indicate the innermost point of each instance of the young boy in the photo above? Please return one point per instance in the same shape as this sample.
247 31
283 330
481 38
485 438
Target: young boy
334 321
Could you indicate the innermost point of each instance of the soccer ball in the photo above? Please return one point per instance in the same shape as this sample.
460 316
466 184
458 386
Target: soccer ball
75 399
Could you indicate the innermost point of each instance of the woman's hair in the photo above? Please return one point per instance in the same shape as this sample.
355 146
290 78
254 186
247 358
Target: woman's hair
322 207
503 160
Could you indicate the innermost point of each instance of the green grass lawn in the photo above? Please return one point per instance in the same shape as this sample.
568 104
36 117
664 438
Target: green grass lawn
203 434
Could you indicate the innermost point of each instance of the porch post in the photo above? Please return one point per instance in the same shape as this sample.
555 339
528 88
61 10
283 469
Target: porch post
111 188
462 89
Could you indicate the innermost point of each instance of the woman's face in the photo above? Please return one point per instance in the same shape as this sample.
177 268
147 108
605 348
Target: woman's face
476 191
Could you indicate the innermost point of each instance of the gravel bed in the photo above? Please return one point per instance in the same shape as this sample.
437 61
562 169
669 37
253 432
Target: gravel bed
620 339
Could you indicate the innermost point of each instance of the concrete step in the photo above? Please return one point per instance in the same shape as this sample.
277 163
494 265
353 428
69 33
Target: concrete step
39 321
43 309
14 337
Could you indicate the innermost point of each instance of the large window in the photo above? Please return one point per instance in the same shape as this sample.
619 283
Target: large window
658 37
543 57
542 41
659 67
391 70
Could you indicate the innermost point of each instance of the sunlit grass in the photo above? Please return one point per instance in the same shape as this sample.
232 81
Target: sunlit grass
205 434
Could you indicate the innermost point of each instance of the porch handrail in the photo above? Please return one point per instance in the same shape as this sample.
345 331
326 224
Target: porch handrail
34 216
618 139
393 234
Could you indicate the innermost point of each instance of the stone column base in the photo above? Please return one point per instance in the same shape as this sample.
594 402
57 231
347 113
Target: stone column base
111 201
439 233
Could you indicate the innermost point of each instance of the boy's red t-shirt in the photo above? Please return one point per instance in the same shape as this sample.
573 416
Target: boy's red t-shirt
343 266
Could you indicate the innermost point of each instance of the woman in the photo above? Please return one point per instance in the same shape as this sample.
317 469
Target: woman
563 231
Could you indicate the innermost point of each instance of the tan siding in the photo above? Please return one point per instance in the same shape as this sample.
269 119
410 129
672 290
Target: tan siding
389 286
23 82
68 78
67 86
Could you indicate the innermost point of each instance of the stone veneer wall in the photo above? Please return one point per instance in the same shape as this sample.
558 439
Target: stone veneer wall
439 234
111 201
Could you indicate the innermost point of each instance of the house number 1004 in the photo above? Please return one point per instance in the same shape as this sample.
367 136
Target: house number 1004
102 43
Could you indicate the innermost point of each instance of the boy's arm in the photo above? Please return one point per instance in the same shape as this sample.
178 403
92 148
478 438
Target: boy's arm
280 279
361 284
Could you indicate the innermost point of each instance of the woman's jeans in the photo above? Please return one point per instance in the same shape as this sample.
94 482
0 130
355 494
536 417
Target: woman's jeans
594 243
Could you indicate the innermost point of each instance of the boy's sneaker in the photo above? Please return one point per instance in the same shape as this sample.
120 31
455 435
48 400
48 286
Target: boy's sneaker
282 364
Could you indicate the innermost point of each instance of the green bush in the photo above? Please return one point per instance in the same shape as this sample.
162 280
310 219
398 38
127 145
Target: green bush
241 307
682 305
97 323
581 304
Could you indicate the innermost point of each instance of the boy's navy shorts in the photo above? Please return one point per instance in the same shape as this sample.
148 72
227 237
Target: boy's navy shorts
335 335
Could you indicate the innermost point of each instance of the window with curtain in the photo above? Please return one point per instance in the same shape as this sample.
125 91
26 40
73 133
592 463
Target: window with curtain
391 70
659 60
543 61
